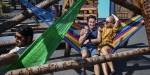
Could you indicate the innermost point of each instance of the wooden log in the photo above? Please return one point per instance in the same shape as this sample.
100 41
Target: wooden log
75 64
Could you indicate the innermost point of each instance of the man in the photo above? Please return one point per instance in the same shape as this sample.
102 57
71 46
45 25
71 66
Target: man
24 37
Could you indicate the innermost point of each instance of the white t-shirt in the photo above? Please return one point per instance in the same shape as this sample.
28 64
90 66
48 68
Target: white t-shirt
18 50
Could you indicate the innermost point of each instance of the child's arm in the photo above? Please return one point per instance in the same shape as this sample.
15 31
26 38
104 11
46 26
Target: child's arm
117 23
116 19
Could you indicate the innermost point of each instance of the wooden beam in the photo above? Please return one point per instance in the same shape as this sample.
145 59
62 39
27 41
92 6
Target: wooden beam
129 4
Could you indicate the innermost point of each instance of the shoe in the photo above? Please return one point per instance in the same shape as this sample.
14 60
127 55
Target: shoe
82 73
112 73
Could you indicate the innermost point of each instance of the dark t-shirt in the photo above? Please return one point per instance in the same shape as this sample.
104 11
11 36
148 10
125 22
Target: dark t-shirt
92 34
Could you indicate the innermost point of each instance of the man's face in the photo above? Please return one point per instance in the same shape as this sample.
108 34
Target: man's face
91 22
20 40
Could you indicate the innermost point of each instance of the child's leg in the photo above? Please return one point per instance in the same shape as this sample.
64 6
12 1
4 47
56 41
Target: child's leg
105 51
110 64
105 69
104 66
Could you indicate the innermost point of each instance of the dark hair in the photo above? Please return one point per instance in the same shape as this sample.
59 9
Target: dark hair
91 16
25 30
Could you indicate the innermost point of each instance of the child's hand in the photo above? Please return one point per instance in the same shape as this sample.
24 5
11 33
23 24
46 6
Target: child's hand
83 32
142 21
115 17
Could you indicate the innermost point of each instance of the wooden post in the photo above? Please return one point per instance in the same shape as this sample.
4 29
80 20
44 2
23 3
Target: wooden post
67 50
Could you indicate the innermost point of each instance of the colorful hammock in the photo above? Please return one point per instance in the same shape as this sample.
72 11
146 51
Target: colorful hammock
41 49
124 33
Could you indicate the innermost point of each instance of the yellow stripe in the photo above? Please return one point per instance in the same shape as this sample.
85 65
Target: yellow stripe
73 40
129 21
115 42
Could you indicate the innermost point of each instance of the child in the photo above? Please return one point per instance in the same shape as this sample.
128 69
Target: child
107 33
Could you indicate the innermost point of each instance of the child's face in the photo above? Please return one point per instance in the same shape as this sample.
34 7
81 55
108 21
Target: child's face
109 22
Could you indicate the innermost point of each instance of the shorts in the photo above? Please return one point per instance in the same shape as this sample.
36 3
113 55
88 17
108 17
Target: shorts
101 46
91 50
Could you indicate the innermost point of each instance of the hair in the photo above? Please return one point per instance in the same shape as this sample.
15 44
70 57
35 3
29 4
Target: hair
25 30
91 16
111 18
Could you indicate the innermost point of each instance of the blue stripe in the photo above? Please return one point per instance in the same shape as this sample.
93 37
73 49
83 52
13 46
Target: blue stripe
71 44
44 15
